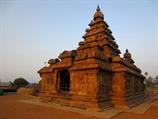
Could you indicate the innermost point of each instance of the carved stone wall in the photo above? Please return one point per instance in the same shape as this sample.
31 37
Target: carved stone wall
84 83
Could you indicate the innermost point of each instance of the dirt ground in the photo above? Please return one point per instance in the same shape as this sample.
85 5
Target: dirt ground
11 108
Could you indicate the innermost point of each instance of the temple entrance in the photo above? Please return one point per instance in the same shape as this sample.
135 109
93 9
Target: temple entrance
64 80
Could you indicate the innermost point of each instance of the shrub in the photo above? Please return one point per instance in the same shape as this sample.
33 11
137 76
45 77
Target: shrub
20 82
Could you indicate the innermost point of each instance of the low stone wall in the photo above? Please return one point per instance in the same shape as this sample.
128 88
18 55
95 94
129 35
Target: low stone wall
153 90
27 91
8 88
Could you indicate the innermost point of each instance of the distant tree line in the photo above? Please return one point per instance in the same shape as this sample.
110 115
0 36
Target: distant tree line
150 81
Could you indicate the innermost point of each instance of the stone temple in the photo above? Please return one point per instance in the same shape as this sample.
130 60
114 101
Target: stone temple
94 76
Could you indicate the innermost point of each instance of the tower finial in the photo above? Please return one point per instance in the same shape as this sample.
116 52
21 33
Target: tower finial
98 13
98 9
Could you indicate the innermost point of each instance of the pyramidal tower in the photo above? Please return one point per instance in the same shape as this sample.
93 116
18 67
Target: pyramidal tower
93 76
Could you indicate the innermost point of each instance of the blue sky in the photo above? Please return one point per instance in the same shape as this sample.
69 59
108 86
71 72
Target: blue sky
34 31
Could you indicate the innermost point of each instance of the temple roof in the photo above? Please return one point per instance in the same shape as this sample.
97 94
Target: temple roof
100 33
98 13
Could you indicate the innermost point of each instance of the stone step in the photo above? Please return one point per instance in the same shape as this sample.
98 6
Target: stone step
45 97
136 101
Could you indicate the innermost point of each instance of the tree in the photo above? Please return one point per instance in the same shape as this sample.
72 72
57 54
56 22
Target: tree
156 78
146 74
11 83
146 80
20 82
149 81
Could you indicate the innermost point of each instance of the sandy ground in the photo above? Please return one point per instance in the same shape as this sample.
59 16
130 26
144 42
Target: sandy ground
12 108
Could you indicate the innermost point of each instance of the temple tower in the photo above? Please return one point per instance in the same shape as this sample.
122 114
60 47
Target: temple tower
93 76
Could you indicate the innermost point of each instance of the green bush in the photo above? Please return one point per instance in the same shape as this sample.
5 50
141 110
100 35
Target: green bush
20 82
1 92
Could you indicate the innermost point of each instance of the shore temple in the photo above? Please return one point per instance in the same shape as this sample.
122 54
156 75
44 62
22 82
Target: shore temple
93 76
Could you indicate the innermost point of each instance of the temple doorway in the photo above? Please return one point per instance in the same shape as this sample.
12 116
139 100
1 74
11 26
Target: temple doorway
64 80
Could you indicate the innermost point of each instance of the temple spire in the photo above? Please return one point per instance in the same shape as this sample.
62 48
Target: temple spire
98 9
98 13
